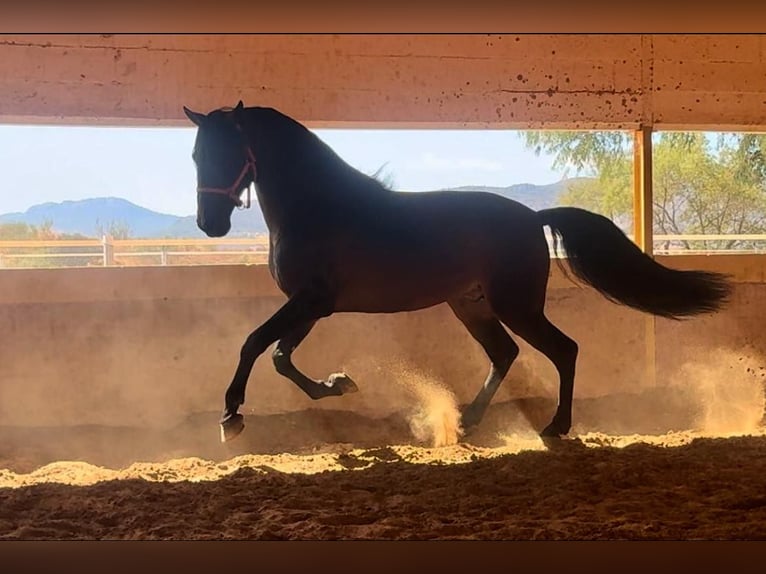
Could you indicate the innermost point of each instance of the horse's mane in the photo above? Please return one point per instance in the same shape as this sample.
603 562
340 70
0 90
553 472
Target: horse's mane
312 147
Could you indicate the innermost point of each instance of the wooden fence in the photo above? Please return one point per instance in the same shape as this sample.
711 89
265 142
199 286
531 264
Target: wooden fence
109 252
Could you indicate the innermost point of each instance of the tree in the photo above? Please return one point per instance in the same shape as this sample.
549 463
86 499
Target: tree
702 184
17 231
115 229
605 156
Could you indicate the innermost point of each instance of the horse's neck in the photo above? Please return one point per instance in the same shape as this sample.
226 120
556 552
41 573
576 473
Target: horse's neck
284 204
307 187
274 214
303 203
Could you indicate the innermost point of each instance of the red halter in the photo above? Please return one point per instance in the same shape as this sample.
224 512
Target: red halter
233 190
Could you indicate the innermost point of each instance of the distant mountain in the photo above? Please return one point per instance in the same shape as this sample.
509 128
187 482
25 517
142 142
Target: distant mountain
244 222
91 216
535 196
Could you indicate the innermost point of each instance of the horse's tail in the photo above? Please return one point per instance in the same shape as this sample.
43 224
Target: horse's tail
601 255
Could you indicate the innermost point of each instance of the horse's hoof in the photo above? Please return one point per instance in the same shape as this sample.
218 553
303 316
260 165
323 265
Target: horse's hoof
469 418
554 431
343 383
231 427
468 424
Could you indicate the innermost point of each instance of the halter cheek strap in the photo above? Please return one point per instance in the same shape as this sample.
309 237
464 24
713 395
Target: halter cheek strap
234 189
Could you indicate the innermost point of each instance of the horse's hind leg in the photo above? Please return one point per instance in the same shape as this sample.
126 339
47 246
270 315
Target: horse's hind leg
480 321
535 328
337 384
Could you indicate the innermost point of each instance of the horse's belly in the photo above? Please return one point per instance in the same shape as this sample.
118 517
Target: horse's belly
394 292
378 278
371 302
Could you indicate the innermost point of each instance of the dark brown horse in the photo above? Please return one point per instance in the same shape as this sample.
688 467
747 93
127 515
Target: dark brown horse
343 242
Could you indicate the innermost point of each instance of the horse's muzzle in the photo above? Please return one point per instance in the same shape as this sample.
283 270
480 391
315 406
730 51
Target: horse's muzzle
214 230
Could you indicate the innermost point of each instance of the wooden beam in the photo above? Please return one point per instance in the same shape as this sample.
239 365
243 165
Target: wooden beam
642 189
643 219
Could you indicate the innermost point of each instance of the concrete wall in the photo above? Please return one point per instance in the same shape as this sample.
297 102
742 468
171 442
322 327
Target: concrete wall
583 81
152 346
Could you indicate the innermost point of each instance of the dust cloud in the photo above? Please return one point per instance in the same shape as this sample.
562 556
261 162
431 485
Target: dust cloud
718 394
435 418
726 388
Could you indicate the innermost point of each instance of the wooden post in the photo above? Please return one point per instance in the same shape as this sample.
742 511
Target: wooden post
643 221
108 250
643 213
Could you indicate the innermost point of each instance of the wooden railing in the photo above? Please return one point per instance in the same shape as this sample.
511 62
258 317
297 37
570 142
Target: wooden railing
108 252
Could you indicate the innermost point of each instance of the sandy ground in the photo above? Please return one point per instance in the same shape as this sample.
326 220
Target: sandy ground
324 474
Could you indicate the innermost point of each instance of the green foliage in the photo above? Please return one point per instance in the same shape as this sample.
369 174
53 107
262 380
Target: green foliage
42 232
17 231
702 184
590 151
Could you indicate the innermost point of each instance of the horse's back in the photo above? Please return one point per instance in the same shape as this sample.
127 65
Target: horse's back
423 248
468 215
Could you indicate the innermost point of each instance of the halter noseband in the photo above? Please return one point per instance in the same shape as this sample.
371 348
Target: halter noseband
232 192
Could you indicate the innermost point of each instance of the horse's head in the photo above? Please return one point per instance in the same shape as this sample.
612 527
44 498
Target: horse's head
225 167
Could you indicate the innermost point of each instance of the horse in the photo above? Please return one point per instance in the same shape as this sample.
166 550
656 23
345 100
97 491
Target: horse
343 242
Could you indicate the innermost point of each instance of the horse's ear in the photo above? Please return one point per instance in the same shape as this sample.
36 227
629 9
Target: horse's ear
239 108
196 118
237 113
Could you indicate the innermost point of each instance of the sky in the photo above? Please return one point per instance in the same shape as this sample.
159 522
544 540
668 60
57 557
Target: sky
152 167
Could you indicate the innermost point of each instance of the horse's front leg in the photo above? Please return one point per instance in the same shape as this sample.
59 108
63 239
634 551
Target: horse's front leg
336 385
297 311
